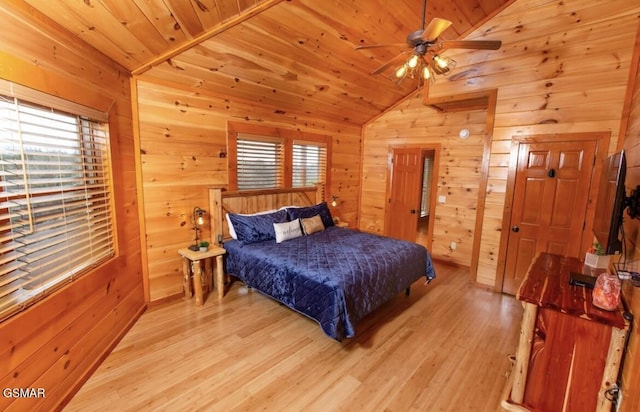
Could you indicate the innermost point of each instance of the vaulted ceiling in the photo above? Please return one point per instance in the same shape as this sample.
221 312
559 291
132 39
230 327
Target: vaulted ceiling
295 56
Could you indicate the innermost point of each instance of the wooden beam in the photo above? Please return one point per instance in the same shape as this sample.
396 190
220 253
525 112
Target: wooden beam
232 22
142 222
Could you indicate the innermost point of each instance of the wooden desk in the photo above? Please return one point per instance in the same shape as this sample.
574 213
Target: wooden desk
191 265
569 351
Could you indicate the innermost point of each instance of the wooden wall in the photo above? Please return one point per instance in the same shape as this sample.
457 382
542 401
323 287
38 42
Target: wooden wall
563 68
631 372
182 136
413 124
56 343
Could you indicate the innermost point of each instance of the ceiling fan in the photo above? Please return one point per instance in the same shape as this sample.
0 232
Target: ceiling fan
422 60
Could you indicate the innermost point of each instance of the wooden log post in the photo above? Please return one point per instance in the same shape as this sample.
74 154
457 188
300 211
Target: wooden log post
524 352
612 366
186 278
215 210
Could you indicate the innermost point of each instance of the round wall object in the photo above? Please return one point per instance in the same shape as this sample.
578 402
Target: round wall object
464 133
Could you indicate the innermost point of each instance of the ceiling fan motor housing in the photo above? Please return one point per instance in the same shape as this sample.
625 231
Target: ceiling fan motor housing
415 38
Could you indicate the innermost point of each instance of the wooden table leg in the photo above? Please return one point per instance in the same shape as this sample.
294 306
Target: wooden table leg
208 275
186 278
524 352
612 365
197 281
219 277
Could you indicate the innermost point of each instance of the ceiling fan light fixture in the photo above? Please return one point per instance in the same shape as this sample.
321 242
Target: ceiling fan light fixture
443 65
426 72
413 61
401 71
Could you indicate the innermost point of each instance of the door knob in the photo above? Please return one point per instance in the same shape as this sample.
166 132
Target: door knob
515 229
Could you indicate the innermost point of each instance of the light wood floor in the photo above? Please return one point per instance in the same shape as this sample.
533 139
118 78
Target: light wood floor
443 348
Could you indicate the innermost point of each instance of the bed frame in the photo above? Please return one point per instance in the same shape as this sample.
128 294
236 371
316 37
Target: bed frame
222 202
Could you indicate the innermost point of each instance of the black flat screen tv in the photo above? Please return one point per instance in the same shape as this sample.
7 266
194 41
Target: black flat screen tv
610 204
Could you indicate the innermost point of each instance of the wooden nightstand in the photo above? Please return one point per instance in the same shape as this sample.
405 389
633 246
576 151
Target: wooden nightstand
191 265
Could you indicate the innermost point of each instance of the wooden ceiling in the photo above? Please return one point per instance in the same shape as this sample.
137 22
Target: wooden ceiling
295 56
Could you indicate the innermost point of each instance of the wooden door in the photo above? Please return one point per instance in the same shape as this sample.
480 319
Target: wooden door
549 205
401 219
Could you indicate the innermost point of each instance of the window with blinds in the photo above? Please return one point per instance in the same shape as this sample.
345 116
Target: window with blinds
274 158
55 200
260 162
309 163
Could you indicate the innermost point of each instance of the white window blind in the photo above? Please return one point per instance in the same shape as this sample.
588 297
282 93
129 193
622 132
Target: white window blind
309 163
55 200
260 162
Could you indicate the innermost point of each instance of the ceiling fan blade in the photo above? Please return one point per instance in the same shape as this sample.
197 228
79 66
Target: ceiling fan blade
375 46
471 44
389 63
435 28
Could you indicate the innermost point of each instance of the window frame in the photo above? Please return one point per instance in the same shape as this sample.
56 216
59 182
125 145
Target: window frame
288 137
87 143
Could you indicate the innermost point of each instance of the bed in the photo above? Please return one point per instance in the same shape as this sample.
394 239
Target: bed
333 275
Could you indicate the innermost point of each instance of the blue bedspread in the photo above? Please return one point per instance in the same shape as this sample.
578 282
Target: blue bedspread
336 276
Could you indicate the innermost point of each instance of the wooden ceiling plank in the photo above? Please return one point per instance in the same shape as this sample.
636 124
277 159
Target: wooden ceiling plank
265 5
281 70
176 81
164 22
304 45
228 8
97 26
186 16
208 13
133 19
294 93
15 11
246 4
560 50
362 22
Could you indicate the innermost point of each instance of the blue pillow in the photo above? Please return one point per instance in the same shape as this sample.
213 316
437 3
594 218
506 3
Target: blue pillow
256 228
306 212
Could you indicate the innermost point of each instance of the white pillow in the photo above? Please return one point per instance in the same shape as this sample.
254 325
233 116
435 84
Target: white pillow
232 231
287 230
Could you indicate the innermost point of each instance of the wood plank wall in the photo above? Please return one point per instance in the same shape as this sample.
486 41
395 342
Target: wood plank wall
563 68
413 124
182 137
631 371
57 343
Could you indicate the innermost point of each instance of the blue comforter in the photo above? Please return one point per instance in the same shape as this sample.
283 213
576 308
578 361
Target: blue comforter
336 276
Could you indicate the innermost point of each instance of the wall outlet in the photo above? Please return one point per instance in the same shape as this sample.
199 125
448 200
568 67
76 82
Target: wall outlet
453 246
442 199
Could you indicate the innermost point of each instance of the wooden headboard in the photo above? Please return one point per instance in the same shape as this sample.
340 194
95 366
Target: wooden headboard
222 202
